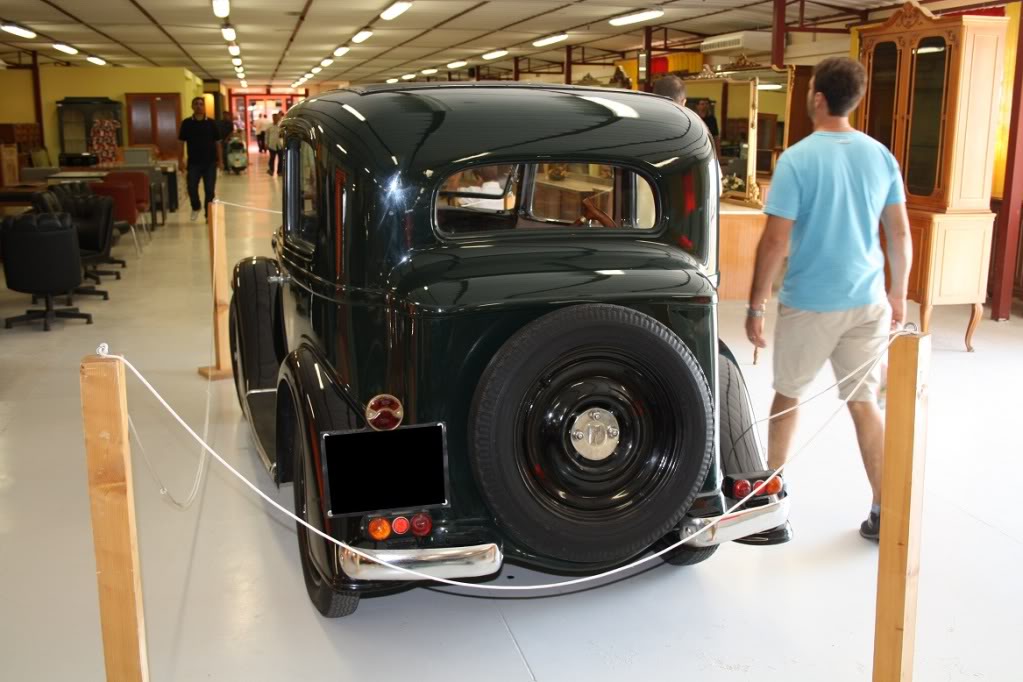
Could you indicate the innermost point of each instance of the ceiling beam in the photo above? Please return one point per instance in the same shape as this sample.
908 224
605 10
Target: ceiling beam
171 38
92 28
291 39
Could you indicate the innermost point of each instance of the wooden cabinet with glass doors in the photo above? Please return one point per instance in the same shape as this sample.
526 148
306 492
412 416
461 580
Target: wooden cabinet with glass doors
933 97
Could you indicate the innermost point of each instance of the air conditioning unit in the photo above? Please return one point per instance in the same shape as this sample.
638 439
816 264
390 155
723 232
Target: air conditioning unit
744 42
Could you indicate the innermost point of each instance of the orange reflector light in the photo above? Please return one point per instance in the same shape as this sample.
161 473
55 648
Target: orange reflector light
400 525
379 529
772 487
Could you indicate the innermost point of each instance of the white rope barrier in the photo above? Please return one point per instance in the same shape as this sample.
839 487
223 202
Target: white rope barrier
248 208
103 350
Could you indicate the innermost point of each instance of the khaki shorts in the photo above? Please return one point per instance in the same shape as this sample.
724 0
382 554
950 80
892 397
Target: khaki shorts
804 340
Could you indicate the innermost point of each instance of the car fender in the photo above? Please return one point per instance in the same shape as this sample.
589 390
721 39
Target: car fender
252 324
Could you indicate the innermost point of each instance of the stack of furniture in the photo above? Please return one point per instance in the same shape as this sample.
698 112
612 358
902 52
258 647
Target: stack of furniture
933 99
26 138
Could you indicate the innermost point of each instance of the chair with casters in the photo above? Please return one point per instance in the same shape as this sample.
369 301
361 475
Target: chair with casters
126 215
139 179
92 218
42 258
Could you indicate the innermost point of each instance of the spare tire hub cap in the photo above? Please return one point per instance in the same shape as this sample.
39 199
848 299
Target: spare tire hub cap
595 434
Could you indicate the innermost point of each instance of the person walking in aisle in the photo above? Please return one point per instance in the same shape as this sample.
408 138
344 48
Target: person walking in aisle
200 136
828 194
274 145
261 125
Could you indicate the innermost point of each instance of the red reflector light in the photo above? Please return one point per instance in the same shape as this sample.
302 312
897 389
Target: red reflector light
379 529
384 412
741 488
400 525
422 524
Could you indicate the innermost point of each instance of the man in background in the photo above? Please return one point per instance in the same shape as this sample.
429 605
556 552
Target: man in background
705 114
672 87
261 125
274 145
828 194
200 137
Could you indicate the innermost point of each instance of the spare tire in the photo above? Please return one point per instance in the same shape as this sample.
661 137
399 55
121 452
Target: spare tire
592 432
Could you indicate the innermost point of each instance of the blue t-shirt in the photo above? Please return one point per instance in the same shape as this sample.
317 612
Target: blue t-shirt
834 186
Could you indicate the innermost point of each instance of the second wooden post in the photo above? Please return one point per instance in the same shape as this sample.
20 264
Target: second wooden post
902 491
221 295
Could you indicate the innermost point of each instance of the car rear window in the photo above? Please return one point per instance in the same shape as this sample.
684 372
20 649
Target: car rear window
545 196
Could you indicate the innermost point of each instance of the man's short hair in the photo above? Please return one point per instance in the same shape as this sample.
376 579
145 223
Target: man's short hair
671 87
842 81
198 99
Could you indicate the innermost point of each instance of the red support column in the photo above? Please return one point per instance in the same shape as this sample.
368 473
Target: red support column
568 64
1007 226
778 34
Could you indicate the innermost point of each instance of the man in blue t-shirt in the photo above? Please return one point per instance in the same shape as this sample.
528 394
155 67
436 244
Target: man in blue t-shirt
828 194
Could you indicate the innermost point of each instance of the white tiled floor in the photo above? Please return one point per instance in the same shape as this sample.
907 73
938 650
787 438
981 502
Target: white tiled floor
223 590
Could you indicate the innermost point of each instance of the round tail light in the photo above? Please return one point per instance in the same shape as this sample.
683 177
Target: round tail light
741 488
400 525
384 412
422 524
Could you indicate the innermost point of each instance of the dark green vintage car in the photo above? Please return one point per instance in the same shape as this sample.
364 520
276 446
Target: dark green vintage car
489 332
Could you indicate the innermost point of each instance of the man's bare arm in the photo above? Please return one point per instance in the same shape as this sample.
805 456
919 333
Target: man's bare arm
771 252
900 257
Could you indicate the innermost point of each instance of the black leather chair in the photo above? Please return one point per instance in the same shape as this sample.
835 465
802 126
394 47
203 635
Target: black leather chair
41 258
92 217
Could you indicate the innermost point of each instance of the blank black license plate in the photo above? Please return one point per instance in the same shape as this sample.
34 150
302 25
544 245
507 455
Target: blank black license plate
386 471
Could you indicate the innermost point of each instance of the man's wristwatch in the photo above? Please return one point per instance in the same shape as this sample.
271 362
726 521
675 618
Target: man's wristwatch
753 312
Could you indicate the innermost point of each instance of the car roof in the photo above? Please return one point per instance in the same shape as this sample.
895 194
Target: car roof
433 127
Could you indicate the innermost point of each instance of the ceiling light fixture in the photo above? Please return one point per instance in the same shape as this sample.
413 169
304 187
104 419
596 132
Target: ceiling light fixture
237 61
245 84
550 40
395 10
428 72
221 8
307 76
19 31
230 35
408 76
496 54
316 69
769 86
66 49
98 61
326 62
362 36
341 51
234 50
392 80
637 17
457 65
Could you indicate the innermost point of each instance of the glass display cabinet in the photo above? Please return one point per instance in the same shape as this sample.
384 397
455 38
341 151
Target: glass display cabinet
933 96
76 116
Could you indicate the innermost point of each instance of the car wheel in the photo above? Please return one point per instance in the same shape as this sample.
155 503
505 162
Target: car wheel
592 431
740 445
330 603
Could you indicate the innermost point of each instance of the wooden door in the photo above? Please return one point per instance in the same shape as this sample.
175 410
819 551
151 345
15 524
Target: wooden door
154 119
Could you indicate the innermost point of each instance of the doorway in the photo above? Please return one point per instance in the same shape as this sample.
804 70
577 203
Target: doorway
252 112
154 119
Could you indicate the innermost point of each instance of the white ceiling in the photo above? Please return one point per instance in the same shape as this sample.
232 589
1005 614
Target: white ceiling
430 34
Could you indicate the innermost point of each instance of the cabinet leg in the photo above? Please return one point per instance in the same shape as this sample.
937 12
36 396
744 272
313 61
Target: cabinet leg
925 317
978 312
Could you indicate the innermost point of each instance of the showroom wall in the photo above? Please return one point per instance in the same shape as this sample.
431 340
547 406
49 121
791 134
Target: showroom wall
19 107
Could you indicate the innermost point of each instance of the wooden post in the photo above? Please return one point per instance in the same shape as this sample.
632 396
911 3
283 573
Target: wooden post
221 295
902 491
108 456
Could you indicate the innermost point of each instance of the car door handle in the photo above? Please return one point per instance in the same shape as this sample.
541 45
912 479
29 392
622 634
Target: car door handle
278 279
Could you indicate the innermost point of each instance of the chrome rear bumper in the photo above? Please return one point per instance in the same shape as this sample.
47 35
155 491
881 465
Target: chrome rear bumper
736 525
442 562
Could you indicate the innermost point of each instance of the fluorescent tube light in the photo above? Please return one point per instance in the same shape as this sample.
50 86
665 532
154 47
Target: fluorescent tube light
550 40
392 80
98 61
237 61
19 31
769 86
637 17
230 35
326 62
66 49
341 51
221 8
234 50
395 10
408 76
362 36
316 69
428 72
457 65
496 54
245 84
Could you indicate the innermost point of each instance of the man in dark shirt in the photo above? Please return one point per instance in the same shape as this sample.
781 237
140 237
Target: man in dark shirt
200 136
704 112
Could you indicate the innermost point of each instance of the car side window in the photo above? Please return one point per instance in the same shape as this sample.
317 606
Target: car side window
304 190
546 196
